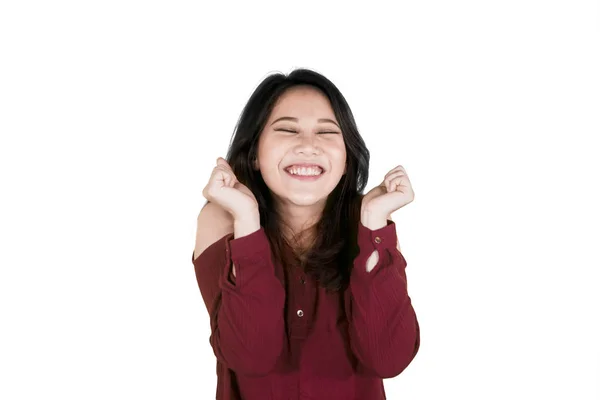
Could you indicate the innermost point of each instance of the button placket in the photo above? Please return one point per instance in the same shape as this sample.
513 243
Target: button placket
301 302
298 300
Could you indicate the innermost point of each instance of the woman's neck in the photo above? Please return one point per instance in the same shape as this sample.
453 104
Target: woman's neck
298 224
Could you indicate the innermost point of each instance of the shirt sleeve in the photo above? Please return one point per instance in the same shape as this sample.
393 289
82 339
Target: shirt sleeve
384 331
246 316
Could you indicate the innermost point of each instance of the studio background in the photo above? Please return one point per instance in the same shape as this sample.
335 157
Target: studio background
112 115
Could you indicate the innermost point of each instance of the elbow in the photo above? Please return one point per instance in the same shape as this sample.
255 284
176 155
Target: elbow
395 365
259 366
251 359
407 353
391 360
255 363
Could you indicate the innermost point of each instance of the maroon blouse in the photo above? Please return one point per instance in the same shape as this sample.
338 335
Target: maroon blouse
278 336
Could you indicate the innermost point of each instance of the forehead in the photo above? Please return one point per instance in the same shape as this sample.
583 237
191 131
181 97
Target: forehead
302 101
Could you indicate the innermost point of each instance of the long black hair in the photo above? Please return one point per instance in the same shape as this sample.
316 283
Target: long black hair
329 260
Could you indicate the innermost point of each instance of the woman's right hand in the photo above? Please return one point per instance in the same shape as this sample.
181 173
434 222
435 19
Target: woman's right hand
224 189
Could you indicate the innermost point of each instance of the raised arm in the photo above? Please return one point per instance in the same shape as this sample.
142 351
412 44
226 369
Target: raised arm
246 313
384 331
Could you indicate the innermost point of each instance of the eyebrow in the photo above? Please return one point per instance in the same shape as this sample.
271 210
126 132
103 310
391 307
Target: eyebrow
296 120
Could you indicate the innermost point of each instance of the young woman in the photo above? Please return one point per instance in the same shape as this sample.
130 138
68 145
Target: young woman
300 272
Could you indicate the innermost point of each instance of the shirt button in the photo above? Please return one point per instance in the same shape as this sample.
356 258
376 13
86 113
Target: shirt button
377 239
300 313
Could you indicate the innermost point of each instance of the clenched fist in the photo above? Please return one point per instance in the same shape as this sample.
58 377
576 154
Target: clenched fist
224 189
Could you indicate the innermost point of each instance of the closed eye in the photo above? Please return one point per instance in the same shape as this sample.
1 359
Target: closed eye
291 131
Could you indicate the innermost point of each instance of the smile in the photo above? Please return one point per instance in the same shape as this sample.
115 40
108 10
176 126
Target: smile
304 174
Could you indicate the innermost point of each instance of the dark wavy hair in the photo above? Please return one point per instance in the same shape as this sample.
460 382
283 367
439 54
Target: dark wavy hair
329 260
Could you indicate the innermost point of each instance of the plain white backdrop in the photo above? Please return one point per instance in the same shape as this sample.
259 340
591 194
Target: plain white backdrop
113 113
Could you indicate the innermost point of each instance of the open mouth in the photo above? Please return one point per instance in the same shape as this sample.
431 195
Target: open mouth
301 173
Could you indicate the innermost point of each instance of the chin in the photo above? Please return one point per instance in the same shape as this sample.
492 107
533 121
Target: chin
306 200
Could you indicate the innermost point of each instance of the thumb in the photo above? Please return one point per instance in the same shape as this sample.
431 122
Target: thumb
223 162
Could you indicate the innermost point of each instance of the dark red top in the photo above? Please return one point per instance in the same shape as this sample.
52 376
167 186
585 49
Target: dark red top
277 336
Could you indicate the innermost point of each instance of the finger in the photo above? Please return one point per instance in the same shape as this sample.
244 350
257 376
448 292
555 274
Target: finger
390 175
399 183
222 162
241 187
221 168
393 176
222 177
394 170
385 185
231 180
390 185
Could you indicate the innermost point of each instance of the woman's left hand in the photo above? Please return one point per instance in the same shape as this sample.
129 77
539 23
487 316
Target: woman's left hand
393 193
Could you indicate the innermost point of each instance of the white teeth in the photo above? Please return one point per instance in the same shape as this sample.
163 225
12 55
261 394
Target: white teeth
305 171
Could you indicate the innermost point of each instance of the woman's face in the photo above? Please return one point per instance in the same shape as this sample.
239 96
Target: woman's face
309 134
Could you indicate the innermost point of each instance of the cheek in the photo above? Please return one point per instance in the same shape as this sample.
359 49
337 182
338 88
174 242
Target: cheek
266 156
269 167
340 158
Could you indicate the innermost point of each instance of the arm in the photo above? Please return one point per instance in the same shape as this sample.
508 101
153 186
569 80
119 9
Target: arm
246 315
384 331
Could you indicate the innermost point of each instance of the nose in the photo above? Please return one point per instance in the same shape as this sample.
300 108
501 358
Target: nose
307 144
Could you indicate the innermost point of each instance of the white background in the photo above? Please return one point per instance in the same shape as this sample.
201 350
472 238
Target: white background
113 113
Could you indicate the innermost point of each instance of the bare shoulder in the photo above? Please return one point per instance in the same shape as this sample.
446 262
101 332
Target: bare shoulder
213 223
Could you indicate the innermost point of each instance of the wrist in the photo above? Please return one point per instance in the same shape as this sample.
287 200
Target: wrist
373 221
243 226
